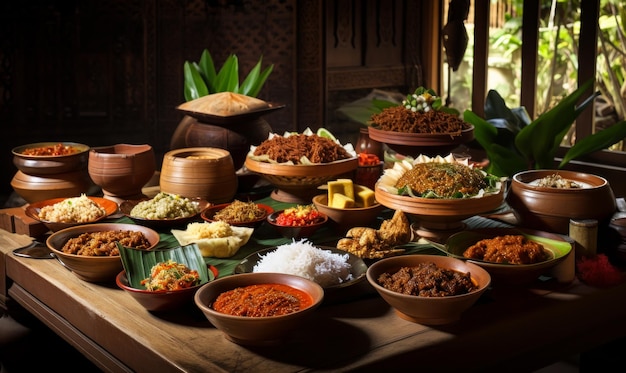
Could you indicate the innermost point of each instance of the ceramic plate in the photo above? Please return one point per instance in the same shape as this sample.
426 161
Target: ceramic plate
358 270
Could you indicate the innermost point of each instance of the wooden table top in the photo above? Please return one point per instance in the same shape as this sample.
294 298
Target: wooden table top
514 328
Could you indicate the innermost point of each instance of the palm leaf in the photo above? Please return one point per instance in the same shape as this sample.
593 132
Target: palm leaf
256 87
194 84
139 263
597 141
227 79
207 70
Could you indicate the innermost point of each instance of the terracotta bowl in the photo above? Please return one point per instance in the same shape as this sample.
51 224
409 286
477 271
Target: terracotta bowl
557 246
160 301
208 214
429 310
33 209
50 164
122 170
33 188
94 268
127 206
206 173
413 144
344 219
295 232
298 183
550 209
257 330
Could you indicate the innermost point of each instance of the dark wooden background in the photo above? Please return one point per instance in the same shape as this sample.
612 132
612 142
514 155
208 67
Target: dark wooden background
105 72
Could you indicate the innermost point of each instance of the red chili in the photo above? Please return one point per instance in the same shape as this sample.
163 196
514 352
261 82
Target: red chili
367 159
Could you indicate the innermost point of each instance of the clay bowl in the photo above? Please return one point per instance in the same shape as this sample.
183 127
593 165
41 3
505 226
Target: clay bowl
413 144
33 188
550 209
160 301
298 183
344 219
510 274
94 268
269 330
51 164
429 310
208 214
127 206
296 232
202 172
33 209
122 170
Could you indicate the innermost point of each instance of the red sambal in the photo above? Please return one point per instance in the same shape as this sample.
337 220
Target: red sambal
262 300
57 149
299 216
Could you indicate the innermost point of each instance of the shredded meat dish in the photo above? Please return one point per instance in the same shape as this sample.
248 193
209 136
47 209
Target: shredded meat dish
399 119
103 243
427 280
511 249
445 180
292 148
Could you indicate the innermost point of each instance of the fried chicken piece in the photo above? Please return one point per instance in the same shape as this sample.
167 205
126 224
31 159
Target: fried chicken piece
370 243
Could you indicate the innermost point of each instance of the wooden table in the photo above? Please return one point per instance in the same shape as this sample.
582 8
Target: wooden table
517 329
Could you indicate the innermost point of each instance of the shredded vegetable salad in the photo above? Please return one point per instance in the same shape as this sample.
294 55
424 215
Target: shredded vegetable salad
170 275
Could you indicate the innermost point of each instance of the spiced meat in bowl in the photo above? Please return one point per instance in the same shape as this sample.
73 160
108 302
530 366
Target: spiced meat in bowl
428 289
90 251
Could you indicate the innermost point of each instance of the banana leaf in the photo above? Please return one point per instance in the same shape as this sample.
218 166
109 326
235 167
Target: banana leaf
255 80
139 263
597 141
194 84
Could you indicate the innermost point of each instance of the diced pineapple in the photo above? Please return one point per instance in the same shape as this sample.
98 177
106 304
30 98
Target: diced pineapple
341 201
364 196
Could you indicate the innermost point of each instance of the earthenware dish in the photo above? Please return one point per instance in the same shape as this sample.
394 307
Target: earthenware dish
33 209
296 232
50 164
342 219
94 268
208 213
429 310
257 330
127 206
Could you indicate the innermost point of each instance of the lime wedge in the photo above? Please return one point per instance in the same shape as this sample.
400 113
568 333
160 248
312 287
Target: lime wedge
323 132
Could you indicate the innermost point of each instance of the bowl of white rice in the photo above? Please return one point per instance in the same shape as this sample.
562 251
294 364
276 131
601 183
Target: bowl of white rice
329 267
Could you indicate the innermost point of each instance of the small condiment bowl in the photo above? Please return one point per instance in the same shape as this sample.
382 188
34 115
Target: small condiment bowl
345 218
296 232
246 330
208 214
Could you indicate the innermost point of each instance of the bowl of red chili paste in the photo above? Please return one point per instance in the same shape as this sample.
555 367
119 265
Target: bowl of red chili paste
259 308
300 221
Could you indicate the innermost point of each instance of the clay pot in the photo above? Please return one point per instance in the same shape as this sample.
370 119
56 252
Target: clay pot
550 209
50 164
122 170
34 188
200 172
236 138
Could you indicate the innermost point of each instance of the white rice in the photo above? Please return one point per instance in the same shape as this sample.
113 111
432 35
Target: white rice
303 259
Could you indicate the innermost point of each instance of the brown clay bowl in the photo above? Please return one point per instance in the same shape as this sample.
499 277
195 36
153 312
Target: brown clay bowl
550 209
33 188
160 301
413 144
122 170
94 268
208 214
33 209
202 172
429 310
344 219
298 183
127 206
296 232
257 330
50 164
